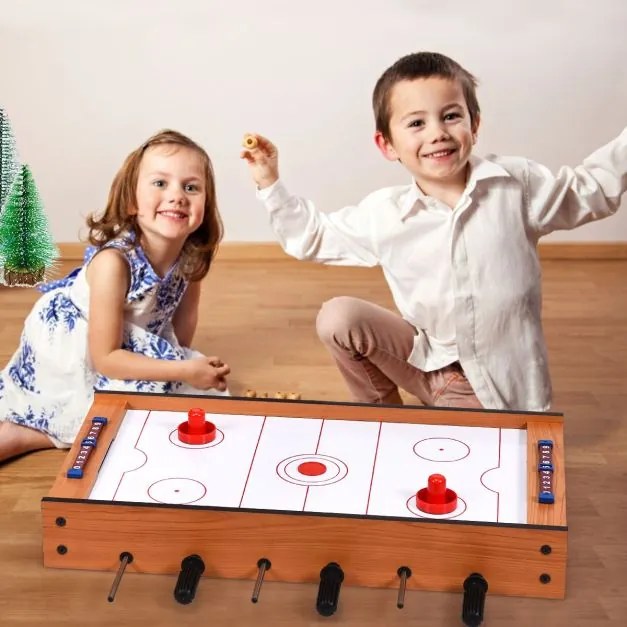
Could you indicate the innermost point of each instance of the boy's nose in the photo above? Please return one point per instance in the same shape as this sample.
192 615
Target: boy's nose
438 133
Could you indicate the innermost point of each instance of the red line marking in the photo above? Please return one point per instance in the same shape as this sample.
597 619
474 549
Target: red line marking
315 453
374 463
134 447
319 436
252 461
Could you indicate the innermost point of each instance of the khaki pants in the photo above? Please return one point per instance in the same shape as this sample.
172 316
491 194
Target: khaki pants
371 346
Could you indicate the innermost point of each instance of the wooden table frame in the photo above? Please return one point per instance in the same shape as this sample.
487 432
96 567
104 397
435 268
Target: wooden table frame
516 559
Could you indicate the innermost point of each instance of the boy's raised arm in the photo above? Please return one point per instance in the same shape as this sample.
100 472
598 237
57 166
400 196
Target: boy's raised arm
575 196
340 238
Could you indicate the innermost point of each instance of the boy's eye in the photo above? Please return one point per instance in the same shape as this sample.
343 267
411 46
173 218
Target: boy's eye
416 123
191 187
452 116
158 183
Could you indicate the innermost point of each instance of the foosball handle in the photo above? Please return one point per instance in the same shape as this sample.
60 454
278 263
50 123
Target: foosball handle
331 577
192 567
475 589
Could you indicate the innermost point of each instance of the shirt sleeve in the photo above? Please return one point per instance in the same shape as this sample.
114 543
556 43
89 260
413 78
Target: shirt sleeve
343 237
575 196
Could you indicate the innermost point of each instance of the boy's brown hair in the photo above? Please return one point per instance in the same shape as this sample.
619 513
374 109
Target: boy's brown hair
200 247
421 65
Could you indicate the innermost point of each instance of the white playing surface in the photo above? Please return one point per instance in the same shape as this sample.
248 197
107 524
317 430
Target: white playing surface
369 468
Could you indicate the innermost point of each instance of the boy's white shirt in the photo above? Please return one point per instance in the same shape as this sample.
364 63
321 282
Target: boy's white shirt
467 279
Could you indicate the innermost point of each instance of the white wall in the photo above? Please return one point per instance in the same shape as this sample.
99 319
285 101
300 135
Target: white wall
85 82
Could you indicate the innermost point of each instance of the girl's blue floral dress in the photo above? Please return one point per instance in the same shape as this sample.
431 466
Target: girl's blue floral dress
48 384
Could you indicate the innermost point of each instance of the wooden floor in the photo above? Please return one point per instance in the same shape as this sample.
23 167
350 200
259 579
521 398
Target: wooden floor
258 316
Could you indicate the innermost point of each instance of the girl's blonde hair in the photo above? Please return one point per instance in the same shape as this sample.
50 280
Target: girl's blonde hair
118 218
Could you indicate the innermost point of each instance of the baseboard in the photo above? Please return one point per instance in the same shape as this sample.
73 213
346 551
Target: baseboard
587 251
271 251
229 251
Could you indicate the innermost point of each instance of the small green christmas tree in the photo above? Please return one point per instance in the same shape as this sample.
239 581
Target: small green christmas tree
26 246
9 163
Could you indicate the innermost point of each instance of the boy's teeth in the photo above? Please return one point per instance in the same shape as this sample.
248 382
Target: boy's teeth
442 153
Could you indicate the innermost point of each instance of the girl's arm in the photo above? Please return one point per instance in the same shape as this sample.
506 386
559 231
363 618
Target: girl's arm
186 316
108 278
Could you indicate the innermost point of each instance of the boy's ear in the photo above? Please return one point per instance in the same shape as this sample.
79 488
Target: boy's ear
386 148
475 129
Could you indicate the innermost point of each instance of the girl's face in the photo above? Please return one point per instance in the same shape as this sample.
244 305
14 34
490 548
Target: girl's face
171 193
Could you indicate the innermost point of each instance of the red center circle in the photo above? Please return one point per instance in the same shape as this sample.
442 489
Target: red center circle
312 469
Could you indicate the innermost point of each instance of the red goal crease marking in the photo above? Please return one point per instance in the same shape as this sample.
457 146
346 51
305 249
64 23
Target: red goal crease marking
485 472
136 449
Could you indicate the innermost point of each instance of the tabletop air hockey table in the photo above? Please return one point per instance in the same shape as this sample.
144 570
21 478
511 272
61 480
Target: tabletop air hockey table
310 491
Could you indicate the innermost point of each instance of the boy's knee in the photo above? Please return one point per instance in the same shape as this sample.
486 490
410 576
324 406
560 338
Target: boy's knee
336 316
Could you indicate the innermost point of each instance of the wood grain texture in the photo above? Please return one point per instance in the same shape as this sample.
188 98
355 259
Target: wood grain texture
370 551
258 316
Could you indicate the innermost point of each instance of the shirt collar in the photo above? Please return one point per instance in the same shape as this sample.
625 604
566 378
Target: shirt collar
484 169
413 195
480 169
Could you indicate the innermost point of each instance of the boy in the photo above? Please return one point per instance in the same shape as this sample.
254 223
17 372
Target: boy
457 248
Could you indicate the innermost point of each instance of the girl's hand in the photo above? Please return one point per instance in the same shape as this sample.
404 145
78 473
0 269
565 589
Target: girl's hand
263 161
206 372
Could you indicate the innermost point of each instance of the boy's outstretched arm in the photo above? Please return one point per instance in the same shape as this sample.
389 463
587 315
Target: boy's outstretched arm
575 196
340 238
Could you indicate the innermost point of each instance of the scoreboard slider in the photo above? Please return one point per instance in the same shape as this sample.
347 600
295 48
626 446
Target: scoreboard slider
87 445
545 472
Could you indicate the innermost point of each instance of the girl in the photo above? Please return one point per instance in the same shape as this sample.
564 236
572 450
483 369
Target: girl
125 319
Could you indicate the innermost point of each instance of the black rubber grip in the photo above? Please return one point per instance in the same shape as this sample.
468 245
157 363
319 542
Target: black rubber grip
192 567
475 589
331 577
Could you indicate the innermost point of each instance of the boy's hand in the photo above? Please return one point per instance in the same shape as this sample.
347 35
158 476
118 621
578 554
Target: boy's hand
206 372
263 160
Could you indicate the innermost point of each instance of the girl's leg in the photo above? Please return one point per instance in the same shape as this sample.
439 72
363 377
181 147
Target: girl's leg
371 346
16 439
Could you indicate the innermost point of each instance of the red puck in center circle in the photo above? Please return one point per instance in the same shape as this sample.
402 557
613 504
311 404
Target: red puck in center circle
312 469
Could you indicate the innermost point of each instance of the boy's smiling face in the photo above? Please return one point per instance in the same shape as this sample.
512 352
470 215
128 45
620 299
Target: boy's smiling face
430 131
